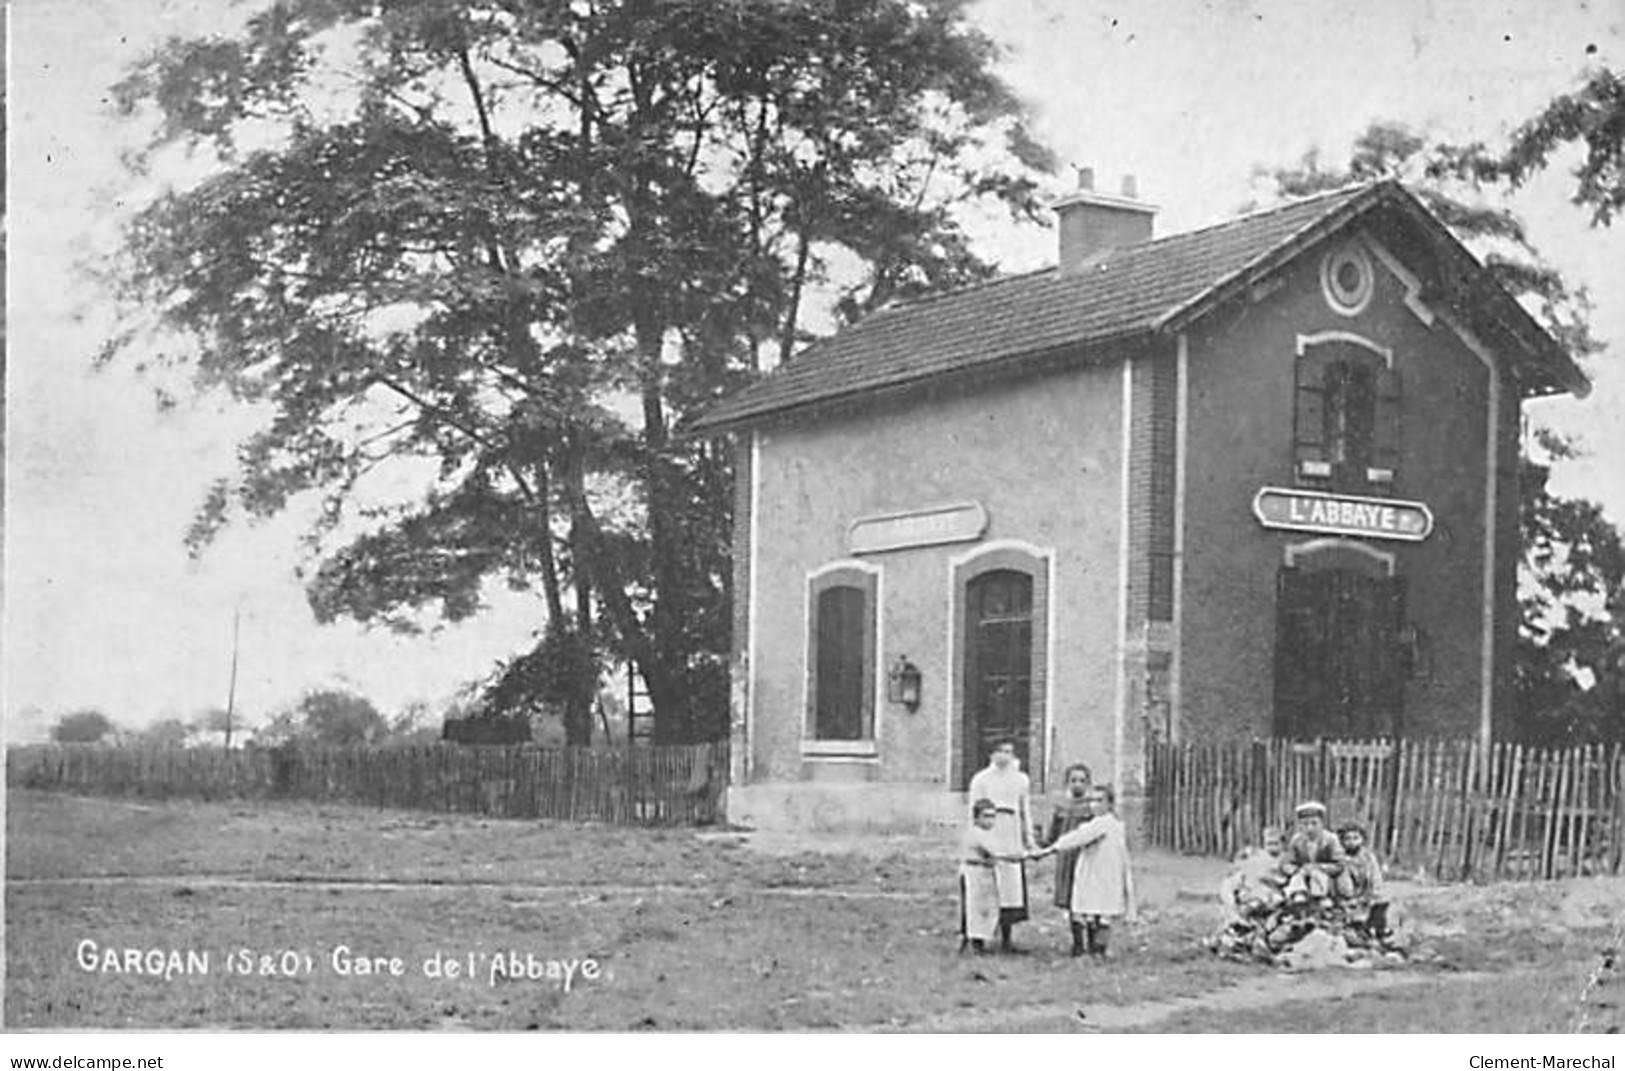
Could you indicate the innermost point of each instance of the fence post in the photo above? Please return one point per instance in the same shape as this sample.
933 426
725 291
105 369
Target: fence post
1616 806
1469 774
1320 773
1259 759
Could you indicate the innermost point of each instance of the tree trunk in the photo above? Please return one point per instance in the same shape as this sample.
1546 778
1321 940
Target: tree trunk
549 562
610 582
578 703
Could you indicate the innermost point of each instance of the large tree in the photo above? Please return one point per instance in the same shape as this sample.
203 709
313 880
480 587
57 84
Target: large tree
504 248
1570 657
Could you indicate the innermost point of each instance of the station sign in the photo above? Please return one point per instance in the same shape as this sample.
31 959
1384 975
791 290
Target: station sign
960 522
1351 515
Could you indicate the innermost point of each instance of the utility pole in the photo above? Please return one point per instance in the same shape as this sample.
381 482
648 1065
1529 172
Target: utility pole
231 693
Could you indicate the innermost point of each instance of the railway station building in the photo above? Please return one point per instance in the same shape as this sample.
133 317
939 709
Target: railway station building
1258 479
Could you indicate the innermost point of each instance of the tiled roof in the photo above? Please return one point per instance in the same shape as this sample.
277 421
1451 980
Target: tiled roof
1130 291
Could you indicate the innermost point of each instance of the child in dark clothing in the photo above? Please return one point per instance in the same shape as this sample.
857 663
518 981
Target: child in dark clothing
1069 815
1364 873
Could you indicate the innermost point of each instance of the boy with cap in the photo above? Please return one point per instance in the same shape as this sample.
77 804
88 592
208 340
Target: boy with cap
1314 863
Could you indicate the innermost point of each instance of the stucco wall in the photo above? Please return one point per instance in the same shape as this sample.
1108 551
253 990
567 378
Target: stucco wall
1042 456
1240 437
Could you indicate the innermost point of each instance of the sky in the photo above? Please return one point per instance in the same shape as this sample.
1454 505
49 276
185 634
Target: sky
102 606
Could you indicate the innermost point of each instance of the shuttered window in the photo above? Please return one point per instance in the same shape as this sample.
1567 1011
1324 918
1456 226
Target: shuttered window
1346 428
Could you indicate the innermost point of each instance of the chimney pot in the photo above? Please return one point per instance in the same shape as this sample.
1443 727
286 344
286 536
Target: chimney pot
1092 223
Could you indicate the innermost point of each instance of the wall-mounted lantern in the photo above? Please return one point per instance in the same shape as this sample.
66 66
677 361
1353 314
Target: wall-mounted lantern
903 683
1413 652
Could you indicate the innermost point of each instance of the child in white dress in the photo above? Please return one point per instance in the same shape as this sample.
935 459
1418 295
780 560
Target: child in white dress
1103 882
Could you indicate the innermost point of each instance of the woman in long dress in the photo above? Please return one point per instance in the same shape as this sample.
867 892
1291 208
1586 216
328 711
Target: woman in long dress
1003 783
1103 881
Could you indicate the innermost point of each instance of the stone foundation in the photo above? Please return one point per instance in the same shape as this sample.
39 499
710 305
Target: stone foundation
878 807
840 807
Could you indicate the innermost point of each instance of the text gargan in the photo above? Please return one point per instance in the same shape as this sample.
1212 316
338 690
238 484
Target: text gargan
152 962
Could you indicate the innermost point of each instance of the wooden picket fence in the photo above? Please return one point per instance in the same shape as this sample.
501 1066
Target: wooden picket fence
1450 809
678 785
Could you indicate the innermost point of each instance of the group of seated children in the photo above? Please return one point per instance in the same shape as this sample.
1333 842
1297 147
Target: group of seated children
1315 874
1093 880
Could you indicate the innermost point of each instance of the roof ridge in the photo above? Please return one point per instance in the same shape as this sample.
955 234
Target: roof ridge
939 295
1160 286
1257 213
927 299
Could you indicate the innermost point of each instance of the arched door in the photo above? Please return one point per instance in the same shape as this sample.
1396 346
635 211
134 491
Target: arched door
998 665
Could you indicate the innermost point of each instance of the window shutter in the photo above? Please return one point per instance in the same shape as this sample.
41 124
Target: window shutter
1385 438
1309 418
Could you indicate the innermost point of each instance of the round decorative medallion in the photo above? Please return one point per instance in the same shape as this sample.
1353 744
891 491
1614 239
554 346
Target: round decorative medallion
1347 279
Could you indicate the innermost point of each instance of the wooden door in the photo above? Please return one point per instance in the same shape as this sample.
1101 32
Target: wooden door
1338 670
998 666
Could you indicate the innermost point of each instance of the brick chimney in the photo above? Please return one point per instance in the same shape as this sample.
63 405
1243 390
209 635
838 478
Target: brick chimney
1093 222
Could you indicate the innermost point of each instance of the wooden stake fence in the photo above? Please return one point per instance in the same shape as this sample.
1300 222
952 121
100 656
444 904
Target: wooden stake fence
682 785
1450 809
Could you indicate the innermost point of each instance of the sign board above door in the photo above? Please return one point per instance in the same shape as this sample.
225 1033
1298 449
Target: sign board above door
1351 515
961 522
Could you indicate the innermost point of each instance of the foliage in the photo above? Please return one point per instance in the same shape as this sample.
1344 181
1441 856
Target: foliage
504 250
415 724
1569 653
218 720
82 727
327 717
1592 117
1571 664
1392 150
170 732
546 679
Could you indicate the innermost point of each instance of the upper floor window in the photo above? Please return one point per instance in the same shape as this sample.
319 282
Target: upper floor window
841 656
1346 428
1350 414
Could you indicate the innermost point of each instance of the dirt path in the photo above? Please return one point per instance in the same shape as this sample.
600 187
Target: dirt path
577 889
1261 991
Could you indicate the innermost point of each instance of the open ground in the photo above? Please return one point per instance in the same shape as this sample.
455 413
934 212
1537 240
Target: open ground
586 927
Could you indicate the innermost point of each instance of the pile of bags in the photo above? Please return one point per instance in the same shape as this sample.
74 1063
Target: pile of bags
1307 933
1316 900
